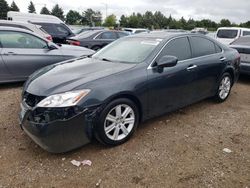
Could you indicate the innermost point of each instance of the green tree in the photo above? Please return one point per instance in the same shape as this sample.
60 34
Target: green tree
44 10
123 21
73 17
110 21
4 7
225 23
133 21
57 11
14 7
91 18
31 8
159 20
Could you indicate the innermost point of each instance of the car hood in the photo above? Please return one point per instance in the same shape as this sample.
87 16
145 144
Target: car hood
76 51
70 75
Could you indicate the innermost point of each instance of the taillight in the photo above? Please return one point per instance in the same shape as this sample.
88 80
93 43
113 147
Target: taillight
49 37
74 42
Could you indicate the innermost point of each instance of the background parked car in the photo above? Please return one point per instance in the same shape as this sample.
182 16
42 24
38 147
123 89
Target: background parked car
135 30
23 52
226 35
28 26
242 45
96 39
59 31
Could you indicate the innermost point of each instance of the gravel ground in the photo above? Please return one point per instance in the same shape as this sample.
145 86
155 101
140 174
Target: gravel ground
181 149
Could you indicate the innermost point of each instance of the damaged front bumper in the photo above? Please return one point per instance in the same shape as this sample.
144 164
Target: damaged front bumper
58 131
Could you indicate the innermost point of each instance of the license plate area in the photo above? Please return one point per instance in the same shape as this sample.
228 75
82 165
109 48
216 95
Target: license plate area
245 57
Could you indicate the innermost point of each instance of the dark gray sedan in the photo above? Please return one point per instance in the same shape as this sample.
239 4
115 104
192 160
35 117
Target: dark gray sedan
97 39
23 52
133 79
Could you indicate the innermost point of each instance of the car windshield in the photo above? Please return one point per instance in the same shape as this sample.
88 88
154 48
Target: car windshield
242 41
128 50
227 33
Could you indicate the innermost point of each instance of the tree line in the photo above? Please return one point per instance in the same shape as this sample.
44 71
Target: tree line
149 20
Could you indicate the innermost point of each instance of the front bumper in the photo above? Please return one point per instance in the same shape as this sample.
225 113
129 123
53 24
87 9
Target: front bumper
245 68
60 135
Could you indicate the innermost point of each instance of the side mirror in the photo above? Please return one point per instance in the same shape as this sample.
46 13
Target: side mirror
51 46
166 61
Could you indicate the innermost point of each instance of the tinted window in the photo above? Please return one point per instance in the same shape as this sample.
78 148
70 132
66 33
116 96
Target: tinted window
140 31
11 39
61 30
49 28
202 46
122 34
227 33
246 33
108 35
179 48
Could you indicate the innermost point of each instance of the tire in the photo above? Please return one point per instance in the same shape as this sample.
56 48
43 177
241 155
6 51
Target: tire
224 88
112 128
96 48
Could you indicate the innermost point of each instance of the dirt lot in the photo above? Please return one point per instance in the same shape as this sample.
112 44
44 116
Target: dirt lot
182 149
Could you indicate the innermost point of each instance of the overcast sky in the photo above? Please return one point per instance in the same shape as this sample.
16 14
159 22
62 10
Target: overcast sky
235 10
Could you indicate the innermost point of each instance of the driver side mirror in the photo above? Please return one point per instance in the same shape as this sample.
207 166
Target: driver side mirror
166 61
51 46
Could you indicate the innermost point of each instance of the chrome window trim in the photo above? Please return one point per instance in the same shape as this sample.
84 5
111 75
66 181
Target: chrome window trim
194 58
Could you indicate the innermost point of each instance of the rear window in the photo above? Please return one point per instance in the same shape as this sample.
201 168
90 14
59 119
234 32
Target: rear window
227 33
242 41
246 33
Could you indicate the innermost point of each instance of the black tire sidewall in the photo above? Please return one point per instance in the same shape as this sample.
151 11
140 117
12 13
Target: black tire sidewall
218 98
99 127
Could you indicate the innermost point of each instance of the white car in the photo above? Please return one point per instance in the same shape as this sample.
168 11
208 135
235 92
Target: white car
227 35
135 30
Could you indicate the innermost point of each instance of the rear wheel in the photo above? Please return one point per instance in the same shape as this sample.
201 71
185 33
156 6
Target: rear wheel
117 122
224 88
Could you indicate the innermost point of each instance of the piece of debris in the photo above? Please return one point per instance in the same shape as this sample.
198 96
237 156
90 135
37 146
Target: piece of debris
98 183
78 163
186 135
86 162
75 163
63 159
226 150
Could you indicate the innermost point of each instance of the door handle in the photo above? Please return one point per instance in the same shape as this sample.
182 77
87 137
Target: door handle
191 67
9 53
223 59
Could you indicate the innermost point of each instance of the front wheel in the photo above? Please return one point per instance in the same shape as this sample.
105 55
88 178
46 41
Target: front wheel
224 88
117 122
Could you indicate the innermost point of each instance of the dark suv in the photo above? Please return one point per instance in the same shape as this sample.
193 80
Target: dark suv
59 31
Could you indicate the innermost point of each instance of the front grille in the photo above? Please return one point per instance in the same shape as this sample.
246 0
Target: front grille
32 100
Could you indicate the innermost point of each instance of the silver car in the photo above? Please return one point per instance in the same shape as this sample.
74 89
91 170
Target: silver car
28 26
23 52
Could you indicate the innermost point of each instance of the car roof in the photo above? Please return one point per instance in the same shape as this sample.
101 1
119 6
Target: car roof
16 22
4 28
163 35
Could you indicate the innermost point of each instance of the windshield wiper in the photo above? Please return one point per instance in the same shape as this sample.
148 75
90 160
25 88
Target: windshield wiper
105 59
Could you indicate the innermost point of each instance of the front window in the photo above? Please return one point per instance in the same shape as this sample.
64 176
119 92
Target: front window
129 50
227 33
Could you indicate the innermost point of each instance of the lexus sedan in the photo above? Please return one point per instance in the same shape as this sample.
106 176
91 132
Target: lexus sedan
106 96
242 45
23 52
96 39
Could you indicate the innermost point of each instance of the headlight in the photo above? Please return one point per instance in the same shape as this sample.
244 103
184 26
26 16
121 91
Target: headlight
63 99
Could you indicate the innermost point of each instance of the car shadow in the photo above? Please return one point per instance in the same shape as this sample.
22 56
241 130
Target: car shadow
245 79
11 85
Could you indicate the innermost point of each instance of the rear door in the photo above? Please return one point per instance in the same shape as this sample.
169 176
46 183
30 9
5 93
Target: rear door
209 59
24 53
